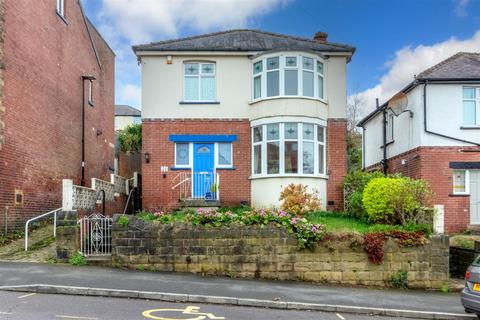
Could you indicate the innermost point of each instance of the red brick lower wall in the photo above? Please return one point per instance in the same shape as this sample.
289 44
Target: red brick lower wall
336 162
156 185
432 164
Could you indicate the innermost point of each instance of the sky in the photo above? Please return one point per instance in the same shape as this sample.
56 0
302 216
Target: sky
395 39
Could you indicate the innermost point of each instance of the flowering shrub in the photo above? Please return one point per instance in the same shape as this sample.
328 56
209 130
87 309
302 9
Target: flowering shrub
308 234
297 200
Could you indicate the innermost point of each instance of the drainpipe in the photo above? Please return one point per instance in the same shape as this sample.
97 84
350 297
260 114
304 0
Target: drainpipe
363 148
425 127
89 78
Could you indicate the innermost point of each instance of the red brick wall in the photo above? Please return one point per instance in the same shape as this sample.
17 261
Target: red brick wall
432 164
44 61
336 161
156 188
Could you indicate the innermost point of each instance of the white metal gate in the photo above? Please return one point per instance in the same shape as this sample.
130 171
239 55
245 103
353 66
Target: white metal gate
95 235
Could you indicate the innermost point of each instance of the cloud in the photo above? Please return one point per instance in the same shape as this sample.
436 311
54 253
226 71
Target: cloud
408 62
129 94
157 19
461 7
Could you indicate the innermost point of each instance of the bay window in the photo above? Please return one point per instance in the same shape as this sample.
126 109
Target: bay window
288 148
289 75
199 81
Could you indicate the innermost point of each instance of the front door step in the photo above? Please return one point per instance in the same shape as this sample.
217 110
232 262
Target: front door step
474 229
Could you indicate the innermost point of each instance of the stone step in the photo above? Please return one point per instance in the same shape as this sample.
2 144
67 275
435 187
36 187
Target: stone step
474 229
199 203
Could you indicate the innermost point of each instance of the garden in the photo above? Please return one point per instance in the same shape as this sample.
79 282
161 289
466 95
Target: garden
377 208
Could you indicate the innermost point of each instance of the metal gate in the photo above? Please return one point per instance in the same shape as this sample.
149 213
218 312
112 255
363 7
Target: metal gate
95 235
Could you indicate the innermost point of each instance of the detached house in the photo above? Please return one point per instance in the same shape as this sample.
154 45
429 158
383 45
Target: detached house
434 135
231 117
56 105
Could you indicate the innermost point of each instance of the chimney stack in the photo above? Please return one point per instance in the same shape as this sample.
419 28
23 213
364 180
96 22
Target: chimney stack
320 37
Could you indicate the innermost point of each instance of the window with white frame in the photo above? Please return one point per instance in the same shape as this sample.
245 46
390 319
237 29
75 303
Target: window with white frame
460 182
471 106
224 155
288 75
182 155
288 148
61 8
199 81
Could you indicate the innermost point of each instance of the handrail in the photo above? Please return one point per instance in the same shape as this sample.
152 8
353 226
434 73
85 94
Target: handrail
181 182
128 201
41 216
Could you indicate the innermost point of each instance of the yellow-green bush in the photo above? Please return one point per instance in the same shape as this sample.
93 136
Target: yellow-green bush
397 200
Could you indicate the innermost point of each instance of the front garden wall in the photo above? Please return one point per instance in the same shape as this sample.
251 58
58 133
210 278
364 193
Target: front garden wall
271 253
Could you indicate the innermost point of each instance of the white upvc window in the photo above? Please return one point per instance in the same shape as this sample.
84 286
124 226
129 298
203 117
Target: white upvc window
461 182
224 155
61 8
183 154
199 82
288 75
390 128
288 148
471 106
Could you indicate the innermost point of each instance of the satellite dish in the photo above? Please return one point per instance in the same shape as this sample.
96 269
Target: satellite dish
398 103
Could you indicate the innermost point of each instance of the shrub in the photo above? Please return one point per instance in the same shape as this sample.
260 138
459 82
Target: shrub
123 221
77 260
397 200
353 185
297 200
130 138
399 280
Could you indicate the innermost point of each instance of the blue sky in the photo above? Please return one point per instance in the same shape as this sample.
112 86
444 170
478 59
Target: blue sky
394 39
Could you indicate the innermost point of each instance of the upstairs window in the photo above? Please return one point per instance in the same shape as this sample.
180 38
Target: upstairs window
390 128
471 106
289 75
61 8
199 82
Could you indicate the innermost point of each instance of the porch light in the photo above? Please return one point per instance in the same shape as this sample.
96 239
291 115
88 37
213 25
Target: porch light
147 157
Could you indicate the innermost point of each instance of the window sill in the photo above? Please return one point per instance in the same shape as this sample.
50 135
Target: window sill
287 175
287 97
455 195
180 168
62 18
199 102
470 127
226 168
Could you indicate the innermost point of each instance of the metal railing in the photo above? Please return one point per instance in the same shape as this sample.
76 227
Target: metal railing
198 186
54 212
95 235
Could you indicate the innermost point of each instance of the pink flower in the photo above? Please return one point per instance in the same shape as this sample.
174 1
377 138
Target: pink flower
282 214
293 221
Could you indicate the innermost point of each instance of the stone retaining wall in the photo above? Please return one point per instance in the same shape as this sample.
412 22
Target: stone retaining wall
271 253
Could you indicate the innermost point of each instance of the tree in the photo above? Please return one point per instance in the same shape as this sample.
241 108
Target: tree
354 137
130 138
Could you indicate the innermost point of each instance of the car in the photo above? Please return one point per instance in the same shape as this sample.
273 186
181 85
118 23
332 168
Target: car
470 295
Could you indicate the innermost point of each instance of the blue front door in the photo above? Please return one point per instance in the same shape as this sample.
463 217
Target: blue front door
203 175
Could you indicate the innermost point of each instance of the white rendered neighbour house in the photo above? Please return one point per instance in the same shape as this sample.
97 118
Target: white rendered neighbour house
437 138
231 117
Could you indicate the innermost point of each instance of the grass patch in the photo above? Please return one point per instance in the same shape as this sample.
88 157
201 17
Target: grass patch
42 243
463 241
334 221
77 260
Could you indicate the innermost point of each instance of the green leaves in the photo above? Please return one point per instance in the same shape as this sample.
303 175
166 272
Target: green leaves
130 138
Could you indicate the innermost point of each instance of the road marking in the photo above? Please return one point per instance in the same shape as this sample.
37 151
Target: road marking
5 312
340 316
75 317
188 310
27 295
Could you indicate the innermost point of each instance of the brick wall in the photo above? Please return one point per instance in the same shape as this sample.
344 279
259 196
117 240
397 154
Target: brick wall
432 164
44 59
271 253
336 161
156 185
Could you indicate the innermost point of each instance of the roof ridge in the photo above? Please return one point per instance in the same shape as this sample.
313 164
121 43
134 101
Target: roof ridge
241 30
444 62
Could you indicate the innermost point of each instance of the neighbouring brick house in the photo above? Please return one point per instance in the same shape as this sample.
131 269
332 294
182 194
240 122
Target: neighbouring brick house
233 116
49 50
435 136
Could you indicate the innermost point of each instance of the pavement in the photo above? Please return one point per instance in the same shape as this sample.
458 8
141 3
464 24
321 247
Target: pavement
19 306
275 292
